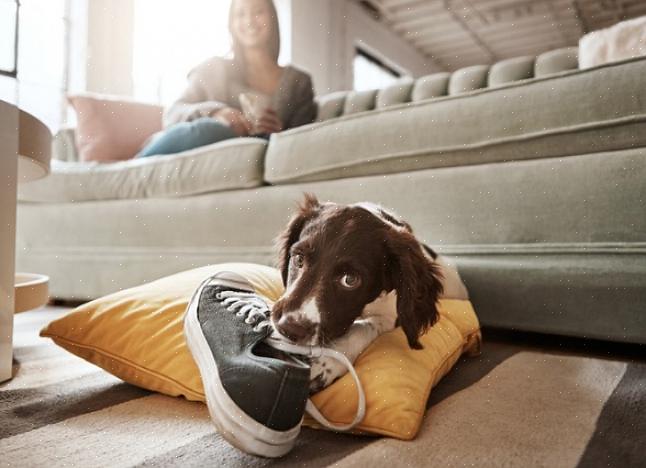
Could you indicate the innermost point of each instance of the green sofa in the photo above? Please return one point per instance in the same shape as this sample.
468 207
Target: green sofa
530 174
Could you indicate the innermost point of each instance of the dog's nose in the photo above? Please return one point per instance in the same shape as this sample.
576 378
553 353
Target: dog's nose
295 330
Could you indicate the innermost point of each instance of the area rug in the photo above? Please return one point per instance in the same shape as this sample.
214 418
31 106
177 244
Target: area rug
518 404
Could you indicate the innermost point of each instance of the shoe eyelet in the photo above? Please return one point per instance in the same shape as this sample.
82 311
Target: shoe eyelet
218 296
238 314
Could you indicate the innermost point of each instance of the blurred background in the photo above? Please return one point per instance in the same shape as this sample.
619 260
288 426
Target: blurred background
143 49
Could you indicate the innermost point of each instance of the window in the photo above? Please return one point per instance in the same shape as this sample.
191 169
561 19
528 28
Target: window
371 73
41 65
172 37
8 37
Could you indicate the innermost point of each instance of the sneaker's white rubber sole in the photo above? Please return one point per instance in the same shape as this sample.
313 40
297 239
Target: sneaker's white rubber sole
237 427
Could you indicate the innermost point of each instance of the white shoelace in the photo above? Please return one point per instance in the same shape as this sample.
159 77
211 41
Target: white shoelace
315 352
255 310
247 305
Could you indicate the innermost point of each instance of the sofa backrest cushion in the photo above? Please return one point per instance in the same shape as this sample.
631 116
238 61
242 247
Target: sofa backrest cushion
560 115
359 101
438 85
330 105
64 145
514 69
468 79
397 93
431 86
556 61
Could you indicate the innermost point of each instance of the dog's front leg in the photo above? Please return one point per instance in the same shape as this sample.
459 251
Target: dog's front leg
326 370
378 317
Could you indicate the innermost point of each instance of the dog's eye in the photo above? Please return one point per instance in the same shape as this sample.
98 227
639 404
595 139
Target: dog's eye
298 260
350 281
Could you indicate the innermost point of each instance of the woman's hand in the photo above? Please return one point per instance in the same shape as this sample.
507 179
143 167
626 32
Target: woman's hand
234 119
267 123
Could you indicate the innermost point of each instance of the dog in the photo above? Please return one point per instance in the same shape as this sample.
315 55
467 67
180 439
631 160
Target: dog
351 273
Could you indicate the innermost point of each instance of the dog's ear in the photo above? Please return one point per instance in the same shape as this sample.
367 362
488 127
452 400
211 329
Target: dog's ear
417 280
307 210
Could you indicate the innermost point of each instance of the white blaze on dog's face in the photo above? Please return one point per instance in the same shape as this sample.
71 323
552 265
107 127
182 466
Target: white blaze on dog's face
336 260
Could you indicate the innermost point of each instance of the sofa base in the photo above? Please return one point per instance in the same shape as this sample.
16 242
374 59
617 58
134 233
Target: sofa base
598 295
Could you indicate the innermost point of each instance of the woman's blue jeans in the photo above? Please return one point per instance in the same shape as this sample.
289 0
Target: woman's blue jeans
187 135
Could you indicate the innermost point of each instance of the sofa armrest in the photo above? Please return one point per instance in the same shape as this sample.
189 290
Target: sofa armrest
64 145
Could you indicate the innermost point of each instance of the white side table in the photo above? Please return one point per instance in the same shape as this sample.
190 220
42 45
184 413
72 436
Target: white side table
25 151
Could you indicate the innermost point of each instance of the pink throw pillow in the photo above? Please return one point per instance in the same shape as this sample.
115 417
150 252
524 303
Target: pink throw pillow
109 129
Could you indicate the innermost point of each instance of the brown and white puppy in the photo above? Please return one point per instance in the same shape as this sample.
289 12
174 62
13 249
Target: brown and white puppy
352 272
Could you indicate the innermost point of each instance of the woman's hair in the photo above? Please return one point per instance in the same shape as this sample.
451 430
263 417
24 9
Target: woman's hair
274 40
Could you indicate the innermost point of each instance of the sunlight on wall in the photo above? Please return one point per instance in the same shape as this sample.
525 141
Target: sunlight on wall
7 34
369 75
41 79
172 37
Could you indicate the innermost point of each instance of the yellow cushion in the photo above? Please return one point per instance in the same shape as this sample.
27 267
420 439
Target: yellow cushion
137 335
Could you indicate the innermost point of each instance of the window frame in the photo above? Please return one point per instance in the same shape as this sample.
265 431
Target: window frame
361 51
14 73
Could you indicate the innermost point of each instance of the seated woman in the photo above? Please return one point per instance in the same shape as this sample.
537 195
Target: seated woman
210 109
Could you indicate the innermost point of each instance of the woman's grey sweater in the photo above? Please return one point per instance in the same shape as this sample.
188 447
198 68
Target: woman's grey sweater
218 82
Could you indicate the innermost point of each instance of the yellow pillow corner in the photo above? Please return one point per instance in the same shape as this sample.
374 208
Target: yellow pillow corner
137 335
397 409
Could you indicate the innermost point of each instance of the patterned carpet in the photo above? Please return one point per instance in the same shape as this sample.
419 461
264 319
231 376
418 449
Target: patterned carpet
526 401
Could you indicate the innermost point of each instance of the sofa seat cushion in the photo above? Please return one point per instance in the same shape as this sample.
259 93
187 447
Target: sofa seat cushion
579 112
228 165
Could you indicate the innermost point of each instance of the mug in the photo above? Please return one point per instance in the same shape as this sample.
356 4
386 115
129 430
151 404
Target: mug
253 105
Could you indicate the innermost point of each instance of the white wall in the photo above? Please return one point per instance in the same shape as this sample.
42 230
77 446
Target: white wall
317 35
325 33
8 89
170 39
375 37
46 26
284 9
110 46
41 70
78 11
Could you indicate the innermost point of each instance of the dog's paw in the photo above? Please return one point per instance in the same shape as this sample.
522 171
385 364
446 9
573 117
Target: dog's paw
324 371
317 383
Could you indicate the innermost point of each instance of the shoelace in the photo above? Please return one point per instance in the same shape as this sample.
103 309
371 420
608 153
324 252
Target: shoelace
247 305
256 313
319 351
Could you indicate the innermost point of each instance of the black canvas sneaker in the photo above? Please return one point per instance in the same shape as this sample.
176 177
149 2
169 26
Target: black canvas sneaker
256 386
255 399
